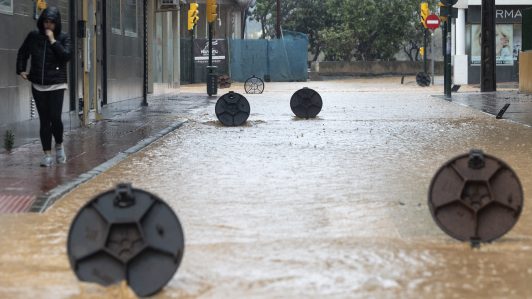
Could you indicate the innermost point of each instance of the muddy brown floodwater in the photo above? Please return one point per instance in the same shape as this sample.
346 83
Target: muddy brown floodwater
287 208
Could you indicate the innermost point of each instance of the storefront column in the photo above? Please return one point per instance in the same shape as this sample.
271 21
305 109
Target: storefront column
151 44
453 38
164 44
460 58
177 47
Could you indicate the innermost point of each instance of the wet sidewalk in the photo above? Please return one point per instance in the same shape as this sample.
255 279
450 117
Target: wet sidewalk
25 186
520 109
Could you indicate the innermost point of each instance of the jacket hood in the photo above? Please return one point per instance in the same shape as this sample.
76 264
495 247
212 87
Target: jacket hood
51 13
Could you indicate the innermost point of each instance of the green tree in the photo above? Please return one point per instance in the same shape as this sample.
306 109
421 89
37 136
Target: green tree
379 28
346 29
310 17
307 16
338 43
265 12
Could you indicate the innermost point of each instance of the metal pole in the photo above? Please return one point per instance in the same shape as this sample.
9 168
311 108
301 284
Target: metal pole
432 55
425 67
488 78
448 70
210 86
104 52
145 27
73 74
278 25
210 44
86 64
192 71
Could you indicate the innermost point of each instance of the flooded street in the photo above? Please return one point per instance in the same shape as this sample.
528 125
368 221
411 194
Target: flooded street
290 208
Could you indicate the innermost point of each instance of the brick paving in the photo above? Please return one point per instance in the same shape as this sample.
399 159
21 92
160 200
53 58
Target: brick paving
23 183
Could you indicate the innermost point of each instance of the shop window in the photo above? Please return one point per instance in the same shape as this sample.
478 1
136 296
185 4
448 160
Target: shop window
504 40
6 6
130 18
116 17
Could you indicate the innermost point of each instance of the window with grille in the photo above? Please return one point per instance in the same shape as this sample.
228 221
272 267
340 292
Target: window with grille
6 6
130 17
116 17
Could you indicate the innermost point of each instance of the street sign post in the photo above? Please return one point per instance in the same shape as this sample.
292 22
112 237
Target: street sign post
432 22
447 11
488 77
432 56
212 78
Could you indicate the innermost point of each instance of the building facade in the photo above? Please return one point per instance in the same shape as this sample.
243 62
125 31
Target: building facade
17 18
123 50
466 40
106 65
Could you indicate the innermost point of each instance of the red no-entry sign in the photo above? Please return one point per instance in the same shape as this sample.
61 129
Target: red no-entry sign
432 22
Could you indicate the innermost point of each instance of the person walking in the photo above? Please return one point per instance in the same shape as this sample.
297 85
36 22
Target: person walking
50 50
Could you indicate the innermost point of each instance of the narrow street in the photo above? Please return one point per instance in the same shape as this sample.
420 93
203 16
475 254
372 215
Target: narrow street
289 208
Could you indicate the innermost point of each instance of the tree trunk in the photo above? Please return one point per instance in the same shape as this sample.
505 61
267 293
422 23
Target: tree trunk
317 54
409 53
263 27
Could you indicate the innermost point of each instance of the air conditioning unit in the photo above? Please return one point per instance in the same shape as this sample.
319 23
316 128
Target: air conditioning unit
169 4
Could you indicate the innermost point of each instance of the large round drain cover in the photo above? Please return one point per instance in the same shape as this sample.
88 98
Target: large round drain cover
254 85
126 234
423 79
306 103
475 197
232 109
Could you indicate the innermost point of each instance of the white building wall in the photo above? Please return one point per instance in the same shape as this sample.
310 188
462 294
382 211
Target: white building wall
460 59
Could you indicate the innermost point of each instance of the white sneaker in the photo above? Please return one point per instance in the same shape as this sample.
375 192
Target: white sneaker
60 156
47 161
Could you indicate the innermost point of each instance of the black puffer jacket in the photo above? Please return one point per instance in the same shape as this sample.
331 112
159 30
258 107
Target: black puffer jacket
48 62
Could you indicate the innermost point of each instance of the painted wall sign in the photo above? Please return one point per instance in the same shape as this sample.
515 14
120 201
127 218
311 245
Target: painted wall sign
504 14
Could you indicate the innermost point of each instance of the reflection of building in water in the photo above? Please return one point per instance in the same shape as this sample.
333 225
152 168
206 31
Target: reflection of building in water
468 40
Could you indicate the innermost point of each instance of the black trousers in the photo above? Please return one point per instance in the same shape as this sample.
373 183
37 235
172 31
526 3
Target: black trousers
50 106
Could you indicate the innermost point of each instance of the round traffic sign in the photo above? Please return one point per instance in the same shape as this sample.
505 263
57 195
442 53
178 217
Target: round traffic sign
432 22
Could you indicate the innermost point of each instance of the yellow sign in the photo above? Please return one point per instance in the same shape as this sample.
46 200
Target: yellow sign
211 11
193 16
425 12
